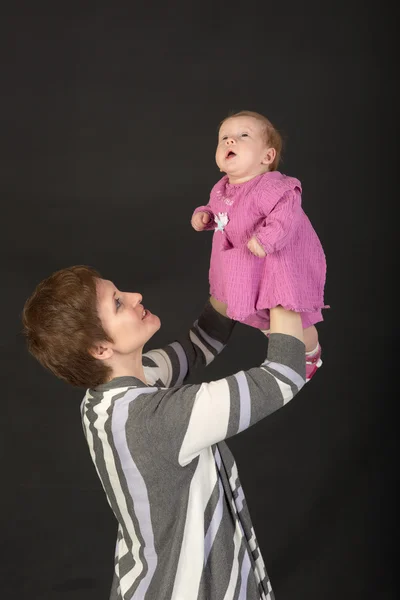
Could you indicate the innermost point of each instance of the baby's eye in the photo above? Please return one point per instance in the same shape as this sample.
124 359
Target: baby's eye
118 303
245 135
224 138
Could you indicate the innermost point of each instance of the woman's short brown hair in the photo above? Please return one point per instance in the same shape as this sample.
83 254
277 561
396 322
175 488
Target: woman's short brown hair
61 325
273 138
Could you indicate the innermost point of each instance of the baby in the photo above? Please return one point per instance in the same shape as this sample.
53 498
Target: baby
265 251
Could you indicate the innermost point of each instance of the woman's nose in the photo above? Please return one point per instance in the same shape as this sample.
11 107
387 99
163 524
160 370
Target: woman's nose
136 298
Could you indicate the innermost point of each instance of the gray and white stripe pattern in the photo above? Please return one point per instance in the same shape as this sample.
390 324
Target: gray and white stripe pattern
184 530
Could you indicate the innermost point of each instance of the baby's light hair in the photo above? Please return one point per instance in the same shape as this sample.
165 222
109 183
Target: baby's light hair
272 136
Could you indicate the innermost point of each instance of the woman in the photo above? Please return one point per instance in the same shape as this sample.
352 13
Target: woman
184 530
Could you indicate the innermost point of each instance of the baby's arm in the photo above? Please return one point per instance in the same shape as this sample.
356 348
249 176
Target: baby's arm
278 228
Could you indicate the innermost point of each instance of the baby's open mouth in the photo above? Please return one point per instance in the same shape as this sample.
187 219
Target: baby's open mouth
231 154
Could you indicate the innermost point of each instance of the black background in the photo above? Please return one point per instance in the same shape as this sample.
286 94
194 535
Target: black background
109 120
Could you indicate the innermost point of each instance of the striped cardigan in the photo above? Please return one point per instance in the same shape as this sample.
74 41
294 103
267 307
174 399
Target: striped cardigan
184 530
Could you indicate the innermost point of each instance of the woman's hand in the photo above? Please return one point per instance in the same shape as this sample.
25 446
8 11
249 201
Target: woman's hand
218 306
286 321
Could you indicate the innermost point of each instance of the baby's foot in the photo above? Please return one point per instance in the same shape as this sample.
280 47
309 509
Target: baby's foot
313 362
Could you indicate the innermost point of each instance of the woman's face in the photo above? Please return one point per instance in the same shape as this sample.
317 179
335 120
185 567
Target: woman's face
124 318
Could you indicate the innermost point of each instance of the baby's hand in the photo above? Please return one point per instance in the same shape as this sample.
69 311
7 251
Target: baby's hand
256 248
200 220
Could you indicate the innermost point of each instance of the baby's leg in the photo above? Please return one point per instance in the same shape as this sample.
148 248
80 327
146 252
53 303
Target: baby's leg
310 338
313 349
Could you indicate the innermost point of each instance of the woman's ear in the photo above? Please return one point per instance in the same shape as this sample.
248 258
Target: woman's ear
101 351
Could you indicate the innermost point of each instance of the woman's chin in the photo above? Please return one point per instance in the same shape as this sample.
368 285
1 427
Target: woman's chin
153 320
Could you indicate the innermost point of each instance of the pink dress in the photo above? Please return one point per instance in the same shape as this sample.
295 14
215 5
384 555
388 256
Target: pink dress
294 270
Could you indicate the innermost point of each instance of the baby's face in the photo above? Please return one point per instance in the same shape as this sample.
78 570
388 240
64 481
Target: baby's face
242 151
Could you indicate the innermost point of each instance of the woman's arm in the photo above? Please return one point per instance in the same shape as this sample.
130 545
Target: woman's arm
172 365
183 421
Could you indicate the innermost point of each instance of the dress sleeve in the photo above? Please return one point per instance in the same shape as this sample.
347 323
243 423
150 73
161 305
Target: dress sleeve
276 230
172 365
182 421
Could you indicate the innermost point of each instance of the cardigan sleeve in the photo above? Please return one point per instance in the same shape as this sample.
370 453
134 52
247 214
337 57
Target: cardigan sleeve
172 365
182 421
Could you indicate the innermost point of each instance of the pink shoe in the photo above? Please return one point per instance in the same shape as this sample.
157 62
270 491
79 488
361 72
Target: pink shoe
313 363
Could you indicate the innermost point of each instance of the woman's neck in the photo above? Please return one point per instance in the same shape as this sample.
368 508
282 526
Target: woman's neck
129 365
